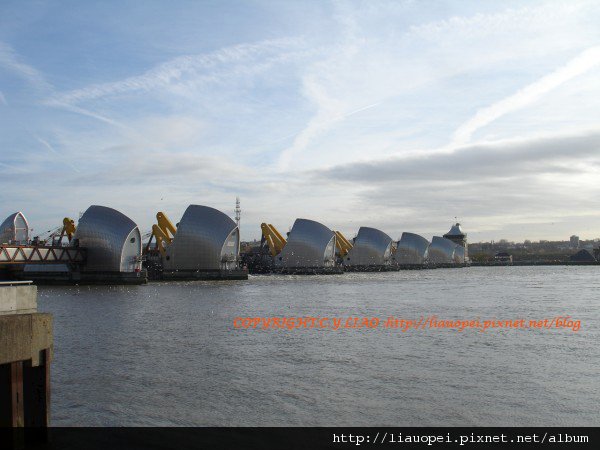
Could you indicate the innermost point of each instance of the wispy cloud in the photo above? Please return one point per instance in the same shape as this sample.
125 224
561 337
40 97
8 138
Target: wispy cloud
64 158
579 65
368 62
86 112
507 20
318 124
176 70
11 61
12 168
184 169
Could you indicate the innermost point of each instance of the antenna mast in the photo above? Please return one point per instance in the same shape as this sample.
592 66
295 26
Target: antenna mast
238 212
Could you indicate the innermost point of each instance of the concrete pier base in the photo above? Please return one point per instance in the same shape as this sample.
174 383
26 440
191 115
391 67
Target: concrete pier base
192 275
26 341
78 277
373 268
412 266
337 270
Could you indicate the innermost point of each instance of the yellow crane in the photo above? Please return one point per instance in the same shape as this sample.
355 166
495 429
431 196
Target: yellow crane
164 232
342 244
273 238
68 229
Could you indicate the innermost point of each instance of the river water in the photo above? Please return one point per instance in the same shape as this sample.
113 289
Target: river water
167 354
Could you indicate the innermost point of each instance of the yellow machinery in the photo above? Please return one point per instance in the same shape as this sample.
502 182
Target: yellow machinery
273 238
164 232
342 244
68 229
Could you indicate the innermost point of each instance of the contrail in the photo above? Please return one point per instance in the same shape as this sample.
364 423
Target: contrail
18 169
582 63
362 109
309 132
49 147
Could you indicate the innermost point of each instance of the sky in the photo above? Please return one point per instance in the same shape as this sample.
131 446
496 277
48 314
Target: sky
399 115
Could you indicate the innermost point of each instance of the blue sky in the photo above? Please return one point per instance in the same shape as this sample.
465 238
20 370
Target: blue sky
397 115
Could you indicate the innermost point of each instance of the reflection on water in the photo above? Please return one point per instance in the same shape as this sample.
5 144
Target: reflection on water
167 353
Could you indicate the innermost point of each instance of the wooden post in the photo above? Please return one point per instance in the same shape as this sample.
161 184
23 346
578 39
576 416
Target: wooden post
36 381
16 388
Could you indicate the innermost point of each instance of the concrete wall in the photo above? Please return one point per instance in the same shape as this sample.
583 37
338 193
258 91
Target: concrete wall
24 336
18 299
24 333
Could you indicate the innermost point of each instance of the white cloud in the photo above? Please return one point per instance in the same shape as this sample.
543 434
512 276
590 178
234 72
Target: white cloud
369 62
491 186
533 156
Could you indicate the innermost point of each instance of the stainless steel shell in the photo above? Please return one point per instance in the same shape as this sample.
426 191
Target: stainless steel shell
14 229
206 239
112 240
441 250
310 244
372 247
459 254
412 249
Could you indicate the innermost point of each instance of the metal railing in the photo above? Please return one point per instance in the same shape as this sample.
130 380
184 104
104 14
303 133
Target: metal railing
32 254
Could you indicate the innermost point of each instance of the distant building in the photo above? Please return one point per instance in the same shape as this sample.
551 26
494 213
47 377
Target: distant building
457 236
582 256
503 257
574 241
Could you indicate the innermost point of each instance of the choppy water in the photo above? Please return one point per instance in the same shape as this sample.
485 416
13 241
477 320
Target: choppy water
167 354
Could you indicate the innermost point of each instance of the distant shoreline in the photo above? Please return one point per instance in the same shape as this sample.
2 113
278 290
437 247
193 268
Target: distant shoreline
535 263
